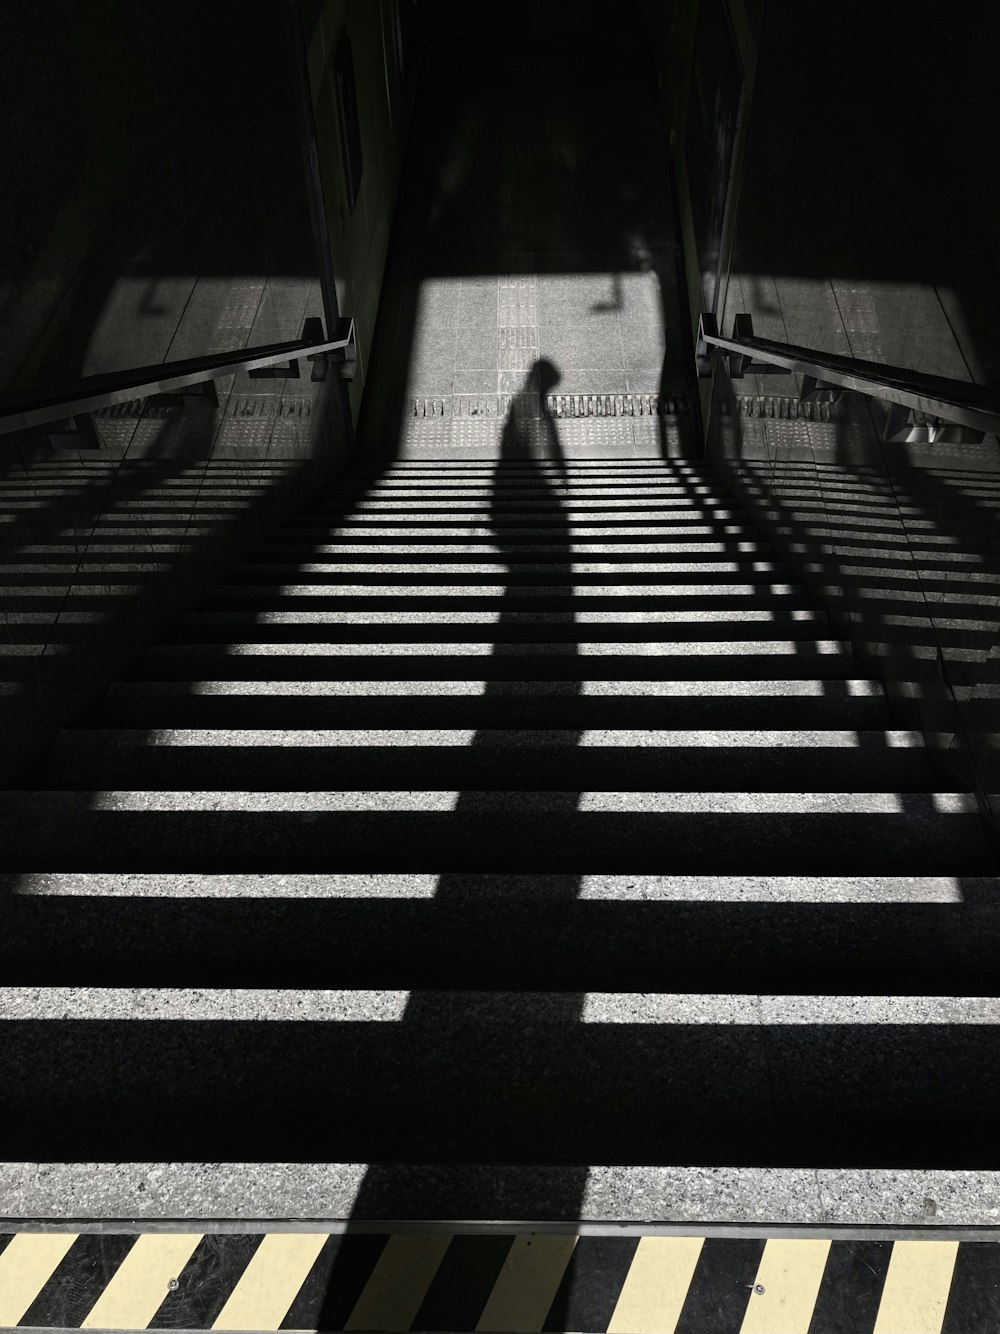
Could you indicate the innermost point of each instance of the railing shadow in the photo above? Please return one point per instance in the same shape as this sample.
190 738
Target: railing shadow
102 555
887 549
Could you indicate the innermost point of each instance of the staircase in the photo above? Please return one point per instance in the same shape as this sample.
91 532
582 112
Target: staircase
500 820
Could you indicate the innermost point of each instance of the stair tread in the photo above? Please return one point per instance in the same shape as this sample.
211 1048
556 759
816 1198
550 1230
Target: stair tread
933 806
267 888
413 1189
449 737
780 644
467 1008
738 690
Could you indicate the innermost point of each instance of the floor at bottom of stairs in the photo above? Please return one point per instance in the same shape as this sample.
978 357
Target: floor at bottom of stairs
527 1277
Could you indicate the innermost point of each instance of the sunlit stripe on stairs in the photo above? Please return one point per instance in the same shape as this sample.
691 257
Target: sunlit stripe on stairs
582 648
784 689
509 737
264 1004
637 803
846 889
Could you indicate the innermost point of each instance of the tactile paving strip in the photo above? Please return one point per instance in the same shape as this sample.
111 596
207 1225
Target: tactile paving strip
497 1281
560 405
617 405
783 405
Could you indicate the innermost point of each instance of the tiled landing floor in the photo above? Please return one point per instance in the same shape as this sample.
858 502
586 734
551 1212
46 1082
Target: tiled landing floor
536 229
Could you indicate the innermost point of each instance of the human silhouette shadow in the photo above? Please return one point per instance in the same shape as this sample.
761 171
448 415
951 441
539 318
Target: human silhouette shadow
535 542
531 457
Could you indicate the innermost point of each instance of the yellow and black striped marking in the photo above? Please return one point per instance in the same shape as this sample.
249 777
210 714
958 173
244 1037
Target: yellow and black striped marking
528 1281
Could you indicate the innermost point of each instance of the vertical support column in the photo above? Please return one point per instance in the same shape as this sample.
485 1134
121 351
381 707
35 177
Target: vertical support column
314 190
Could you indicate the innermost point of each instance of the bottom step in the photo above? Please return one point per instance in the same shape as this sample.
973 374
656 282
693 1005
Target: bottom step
620 1195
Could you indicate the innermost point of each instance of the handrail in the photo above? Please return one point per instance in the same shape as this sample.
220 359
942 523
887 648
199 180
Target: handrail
19 411
955 400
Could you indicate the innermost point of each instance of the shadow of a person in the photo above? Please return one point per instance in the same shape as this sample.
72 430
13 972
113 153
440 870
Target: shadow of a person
531 530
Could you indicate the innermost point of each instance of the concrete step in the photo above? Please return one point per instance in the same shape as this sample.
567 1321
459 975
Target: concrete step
616 480
802 703
387 759
525 569
559 499
510 619
973 891
464 659
479 546
502 627
517 509
885 936
550 617
813 1079
622 473
374 1005
858 1199
563 527
451 467
679 469
544 492
625 491
727 833
419 587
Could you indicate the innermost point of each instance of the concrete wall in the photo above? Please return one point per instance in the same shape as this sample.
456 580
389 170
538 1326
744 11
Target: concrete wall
869 221
73 169
102 551
144 148
866 228
708 63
